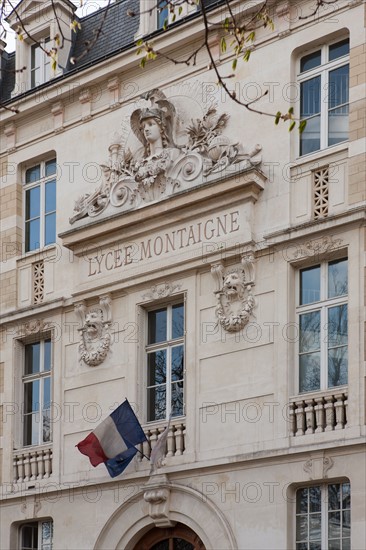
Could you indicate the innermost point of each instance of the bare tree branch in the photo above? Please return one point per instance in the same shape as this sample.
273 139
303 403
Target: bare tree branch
319 4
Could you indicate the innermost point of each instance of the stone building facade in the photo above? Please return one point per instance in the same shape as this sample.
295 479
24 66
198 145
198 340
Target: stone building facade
161 243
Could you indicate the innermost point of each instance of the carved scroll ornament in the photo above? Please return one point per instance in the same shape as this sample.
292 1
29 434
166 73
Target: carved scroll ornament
161 167
95 336
157 495
235 301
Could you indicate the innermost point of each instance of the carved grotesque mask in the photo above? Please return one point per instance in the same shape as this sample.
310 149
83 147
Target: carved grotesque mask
93 324
234 286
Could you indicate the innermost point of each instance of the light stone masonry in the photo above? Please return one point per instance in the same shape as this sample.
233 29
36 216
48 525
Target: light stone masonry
162 202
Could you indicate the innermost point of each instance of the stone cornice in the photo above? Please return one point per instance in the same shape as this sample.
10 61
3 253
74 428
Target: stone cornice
227 190
336 448
291 233
47 309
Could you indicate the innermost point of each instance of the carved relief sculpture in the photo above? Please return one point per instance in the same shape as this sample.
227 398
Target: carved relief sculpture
95 336
161 290
160 167
235 301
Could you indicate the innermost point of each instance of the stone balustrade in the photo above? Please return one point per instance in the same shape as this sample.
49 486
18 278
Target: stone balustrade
317 413
175 443
32 464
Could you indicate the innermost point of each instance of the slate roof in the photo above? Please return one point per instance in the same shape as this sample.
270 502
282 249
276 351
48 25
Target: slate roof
117 34
118 31
7 75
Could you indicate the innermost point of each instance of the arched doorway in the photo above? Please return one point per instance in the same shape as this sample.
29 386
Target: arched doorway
179 537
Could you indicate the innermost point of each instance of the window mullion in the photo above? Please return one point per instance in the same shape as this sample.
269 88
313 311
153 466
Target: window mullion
324 348
168 381
324 515
41 396
324 110
42 206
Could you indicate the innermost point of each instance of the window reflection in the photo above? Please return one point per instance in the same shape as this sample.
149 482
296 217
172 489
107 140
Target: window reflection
165 362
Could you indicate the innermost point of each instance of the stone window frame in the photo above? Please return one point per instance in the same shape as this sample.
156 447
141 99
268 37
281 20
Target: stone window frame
322 71
322 489
169 343
322 305
19 389
41 183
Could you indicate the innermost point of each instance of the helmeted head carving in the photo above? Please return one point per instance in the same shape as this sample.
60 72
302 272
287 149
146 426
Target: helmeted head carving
160 114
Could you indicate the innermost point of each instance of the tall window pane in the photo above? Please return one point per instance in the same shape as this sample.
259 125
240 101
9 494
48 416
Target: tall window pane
50 229
310 137
157 326
337 278
310 285
178 321
37 392
310 97
338 105
40 205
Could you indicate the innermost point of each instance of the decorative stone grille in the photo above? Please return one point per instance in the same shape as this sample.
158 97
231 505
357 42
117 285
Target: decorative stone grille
175 444
321 192
32 465
38 282
318 413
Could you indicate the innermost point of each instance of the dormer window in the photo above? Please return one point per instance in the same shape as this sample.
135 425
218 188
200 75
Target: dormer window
40 20
40 63
153 14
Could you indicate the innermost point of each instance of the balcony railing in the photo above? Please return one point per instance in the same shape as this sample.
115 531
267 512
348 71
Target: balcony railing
318 413
32 464
175 443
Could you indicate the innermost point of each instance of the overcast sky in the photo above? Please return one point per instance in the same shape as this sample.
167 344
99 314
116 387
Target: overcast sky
88 7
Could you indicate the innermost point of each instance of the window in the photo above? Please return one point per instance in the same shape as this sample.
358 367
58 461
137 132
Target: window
40 205
36 535
37 393
179 537
40 63
323 517
168 13
162 14
323 326
165 362
324 97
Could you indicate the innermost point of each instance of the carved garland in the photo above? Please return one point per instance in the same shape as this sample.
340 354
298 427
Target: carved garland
97 356
95 341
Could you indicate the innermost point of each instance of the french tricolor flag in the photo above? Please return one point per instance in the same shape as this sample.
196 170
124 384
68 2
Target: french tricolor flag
113 441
